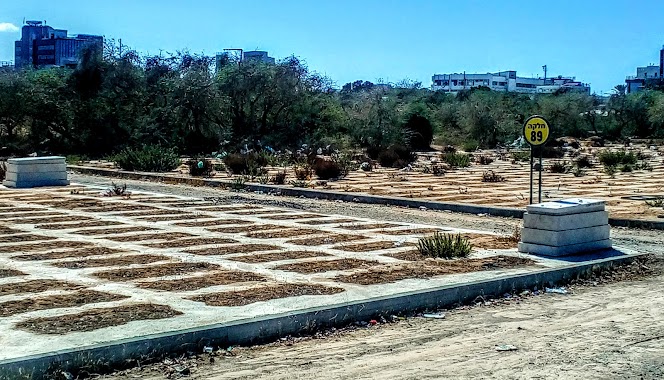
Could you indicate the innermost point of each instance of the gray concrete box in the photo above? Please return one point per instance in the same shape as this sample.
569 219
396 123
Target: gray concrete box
36 171
567 206
565 250
565 222
566 237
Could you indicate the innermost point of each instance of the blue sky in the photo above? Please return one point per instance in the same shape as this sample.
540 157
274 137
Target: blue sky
599 42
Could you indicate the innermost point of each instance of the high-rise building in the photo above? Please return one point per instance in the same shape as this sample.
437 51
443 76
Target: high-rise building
257 55
43 46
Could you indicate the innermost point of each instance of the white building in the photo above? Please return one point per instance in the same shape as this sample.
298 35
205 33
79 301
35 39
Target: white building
505 81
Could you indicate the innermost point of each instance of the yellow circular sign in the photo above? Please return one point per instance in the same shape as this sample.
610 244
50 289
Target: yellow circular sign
536 130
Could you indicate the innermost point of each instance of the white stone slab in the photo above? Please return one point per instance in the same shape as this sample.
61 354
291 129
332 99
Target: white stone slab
566 237
36 176
36 160
37 167
565 222
567 206
566 250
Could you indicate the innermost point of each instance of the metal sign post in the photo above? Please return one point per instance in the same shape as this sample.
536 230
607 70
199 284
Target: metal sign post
536 133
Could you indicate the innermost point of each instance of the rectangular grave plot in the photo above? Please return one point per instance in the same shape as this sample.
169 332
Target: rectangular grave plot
264 293
162 270
11 216
190 242
200 282
145 237
8 231
14 210
327 239
245 228
310 267
111 207
190 204
97 318
368 247
23 238
228 208
211 223
48 220
283 233
431 268
4 273
291 216
36 286
168 218
83 252
73 204
410 255
111 261
317 222
57 301
231 249
156 212
113 230
256 212
412 231
372 226
64 226
58 244
278 256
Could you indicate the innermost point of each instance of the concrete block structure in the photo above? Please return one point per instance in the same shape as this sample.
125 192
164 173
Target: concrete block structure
565 227
36 172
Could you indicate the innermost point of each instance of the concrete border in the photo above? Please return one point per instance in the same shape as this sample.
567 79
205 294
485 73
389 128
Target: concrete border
347 197
105 357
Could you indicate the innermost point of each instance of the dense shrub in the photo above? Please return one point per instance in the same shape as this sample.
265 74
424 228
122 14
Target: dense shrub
484 160
303 172
559 167
583 162
200 167
279 178
615 158
420 131
520 155
457 160
396 156
149 158
327 169
491 176
250 164
444 246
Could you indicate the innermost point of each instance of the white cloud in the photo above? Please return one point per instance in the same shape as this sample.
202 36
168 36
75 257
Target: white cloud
8 27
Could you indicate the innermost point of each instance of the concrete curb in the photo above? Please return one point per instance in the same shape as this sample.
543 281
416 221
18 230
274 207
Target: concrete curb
101 358
347 197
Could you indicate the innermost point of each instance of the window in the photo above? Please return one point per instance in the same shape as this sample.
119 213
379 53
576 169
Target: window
455 82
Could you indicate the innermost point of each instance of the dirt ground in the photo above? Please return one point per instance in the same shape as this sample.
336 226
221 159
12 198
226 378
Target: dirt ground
598 331
610 331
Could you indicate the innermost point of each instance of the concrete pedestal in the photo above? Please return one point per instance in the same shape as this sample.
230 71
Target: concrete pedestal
565 227
36 172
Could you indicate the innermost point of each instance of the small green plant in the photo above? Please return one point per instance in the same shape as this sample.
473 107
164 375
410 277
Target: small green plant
239 183
559 167
444 246
520 155
279 178
263 179
657 202
491 176
303 172
149 158
627 168
300 183
200 167
610 170
117 191
583 162
457 160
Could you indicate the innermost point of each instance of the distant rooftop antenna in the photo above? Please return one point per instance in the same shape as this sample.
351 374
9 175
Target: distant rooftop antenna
544 68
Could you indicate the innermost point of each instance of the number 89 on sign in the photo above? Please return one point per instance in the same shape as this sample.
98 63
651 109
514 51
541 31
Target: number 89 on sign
536 130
